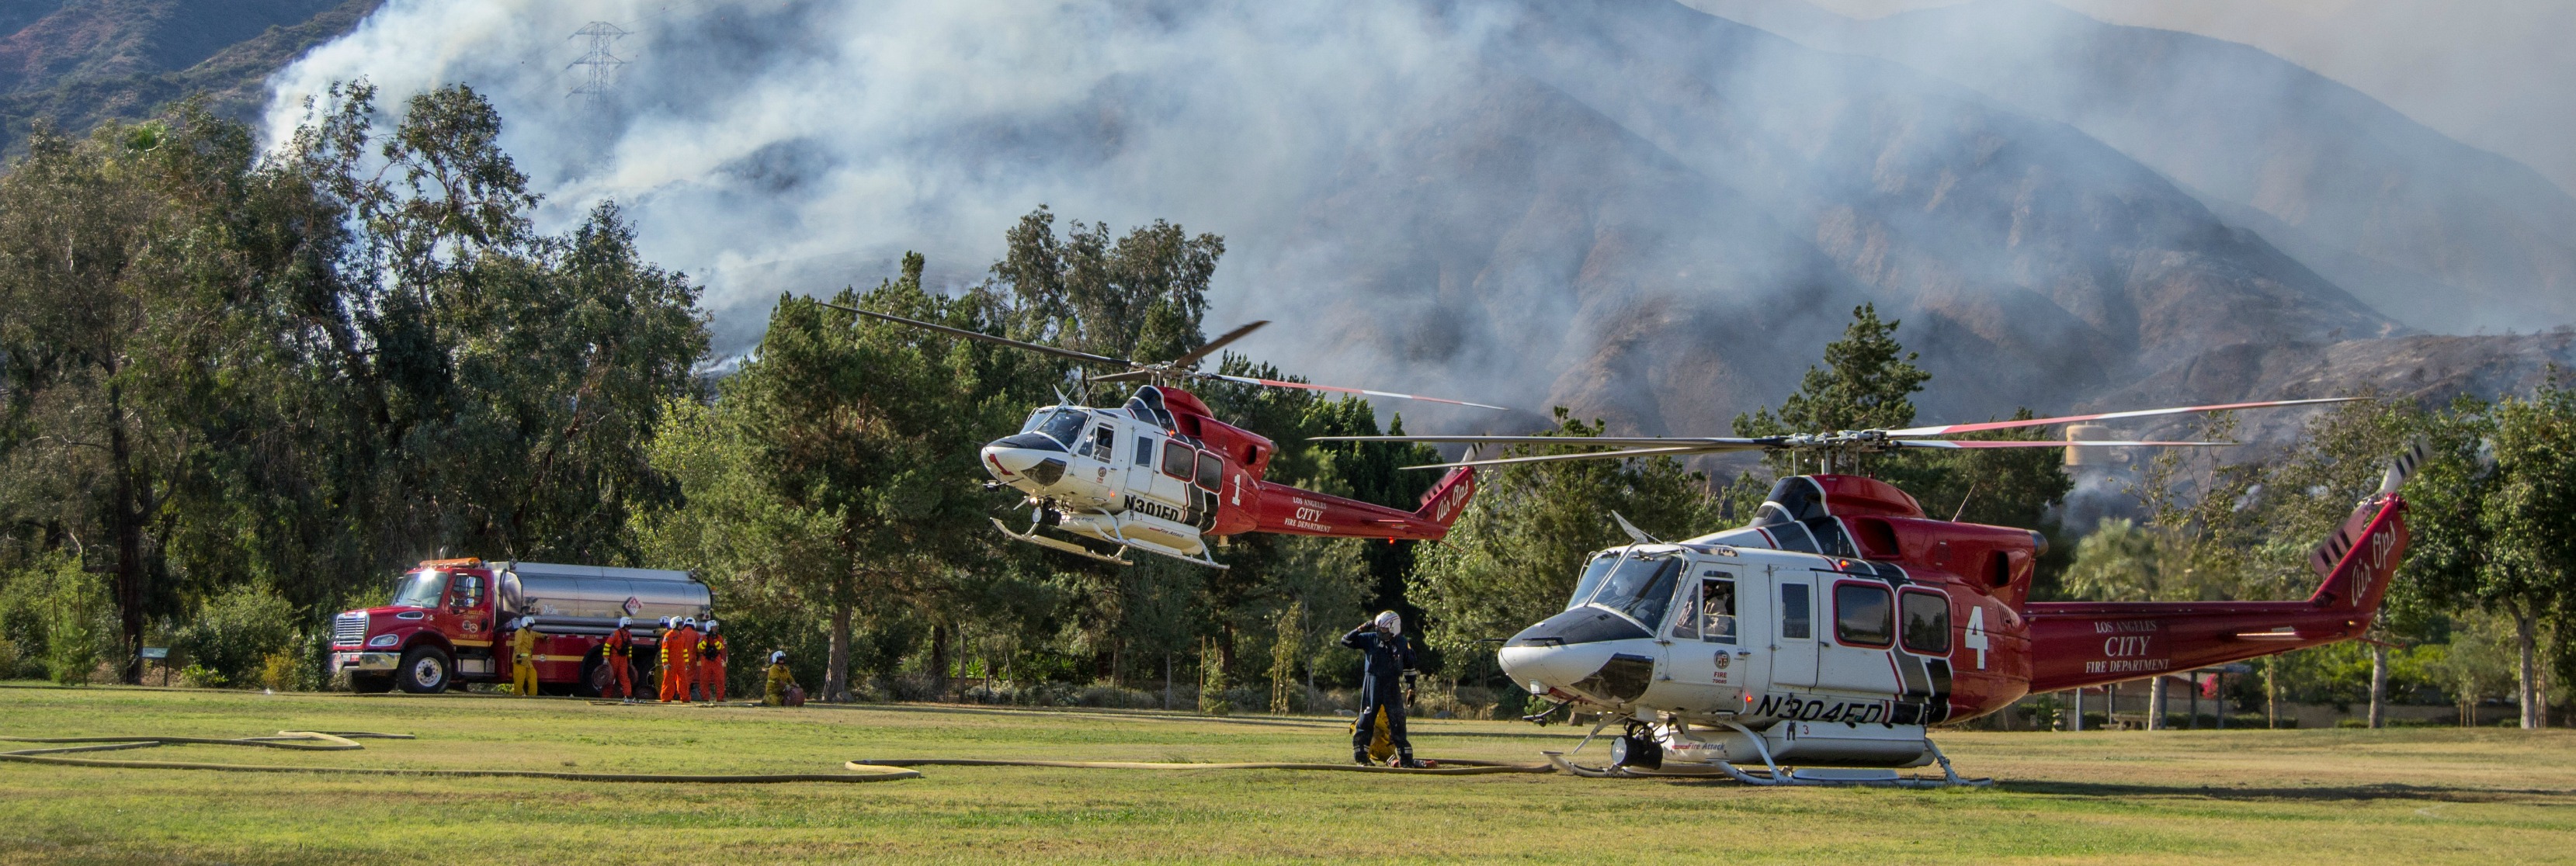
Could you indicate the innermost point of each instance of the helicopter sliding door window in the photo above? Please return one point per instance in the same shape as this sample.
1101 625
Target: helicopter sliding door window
1211 472
1717 607
1144 450
1864 615
1927 622
1795 620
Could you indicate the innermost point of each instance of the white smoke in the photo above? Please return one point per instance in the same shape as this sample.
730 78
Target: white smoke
769 146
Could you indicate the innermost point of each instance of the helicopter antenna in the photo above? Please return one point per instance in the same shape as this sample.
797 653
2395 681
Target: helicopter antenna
1632 530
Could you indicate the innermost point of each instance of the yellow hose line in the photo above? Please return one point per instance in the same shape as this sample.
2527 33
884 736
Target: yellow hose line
1448 768
339 741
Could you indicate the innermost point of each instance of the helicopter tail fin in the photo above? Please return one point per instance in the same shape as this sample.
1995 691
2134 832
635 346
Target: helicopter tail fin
1448 499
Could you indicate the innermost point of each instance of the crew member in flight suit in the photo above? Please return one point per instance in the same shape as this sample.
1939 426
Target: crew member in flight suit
711 664
679 658
1387 658
523 656
619 653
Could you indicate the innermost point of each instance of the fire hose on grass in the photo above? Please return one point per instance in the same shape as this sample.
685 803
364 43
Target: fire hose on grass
340 741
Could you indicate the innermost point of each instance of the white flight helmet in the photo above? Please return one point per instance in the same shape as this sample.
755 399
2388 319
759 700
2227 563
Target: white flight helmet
711 625
625 621
777 656
689 622
1390 623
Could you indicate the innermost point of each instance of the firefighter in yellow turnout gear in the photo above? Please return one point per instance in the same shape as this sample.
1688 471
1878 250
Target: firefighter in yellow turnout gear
523 656
781 683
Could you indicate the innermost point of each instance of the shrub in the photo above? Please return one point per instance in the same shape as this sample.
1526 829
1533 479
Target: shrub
58 616
234 633
197 676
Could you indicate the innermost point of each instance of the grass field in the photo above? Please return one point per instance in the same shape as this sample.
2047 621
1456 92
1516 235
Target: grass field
2414 796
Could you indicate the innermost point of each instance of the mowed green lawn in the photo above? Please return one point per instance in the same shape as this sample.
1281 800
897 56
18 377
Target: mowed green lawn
2415 796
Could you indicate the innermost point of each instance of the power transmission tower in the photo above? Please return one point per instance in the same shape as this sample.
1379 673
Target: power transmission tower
602 77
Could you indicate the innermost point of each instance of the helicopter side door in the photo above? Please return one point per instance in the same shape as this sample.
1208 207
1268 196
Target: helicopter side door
1705 664
1791 601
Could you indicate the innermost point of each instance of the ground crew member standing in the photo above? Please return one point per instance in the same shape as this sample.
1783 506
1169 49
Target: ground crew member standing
523 655
679 652
619 652
779 680
711 669
1387 657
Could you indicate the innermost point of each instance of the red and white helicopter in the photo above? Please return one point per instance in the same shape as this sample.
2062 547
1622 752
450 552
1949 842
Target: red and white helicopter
1161 474
1839 625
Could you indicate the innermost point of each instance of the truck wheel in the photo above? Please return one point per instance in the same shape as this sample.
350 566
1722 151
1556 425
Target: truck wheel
371 684
424 671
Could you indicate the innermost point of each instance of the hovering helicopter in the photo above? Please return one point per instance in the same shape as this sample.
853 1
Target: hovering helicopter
1835 628
1161 474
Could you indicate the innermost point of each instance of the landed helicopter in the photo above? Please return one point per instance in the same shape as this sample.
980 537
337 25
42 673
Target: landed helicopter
1161 474
1832 631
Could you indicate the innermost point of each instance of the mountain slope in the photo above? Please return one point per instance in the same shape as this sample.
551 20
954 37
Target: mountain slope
2438 234
74 64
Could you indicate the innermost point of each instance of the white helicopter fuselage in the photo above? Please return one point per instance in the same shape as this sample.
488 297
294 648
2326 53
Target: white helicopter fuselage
1108 475
1718 642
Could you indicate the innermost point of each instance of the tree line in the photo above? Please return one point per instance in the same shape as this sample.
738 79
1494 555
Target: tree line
239 390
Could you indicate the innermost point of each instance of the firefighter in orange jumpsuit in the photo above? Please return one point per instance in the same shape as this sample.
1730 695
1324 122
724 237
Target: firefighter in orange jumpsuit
711 664
523 656
619 653
679 656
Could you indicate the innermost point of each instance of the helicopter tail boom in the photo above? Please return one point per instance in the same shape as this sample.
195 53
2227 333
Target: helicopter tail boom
2079 644
1295 511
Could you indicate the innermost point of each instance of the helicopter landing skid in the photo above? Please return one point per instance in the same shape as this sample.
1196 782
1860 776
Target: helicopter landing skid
1057 544
1772 775
1078 550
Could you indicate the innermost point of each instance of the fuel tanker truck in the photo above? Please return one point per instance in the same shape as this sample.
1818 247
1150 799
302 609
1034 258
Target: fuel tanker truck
444 625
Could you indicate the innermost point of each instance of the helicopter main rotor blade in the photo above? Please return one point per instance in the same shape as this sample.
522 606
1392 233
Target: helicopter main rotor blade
1594 455
1191 359
1275 383
2106 416
2052 443
1129 376
1636 441
979 335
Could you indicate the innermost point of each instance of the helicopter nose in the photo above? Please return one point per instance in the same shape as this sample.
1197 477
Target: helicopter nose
1553 666
1012 462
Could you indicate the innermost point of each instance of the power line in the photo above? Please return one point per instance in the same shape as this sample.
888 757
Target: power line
602 77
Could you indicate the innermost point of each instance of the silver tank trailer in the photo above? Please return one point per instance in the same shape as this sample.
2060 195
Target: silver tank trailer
588 599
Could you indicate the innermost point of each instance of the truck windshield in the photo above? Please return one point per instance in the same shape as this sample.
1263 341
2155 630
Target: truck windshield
1642 588
421 589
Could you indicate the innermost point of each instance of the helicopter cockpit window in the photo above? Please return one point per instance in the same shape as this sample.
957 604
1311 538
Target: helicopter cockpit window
1061 425
1104 444
1593 572
1686 613
1641 588
1717 607
1211 472
1179 460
